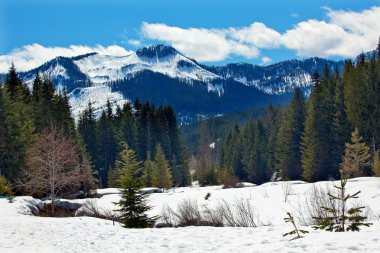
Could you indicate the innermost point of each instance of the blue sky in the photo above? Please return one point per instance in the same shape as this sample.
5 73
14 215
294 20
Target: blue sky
214 32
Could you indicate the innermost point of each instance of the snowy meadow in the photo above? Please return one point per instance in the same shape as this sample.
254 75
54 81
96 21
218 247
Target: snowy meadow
268 204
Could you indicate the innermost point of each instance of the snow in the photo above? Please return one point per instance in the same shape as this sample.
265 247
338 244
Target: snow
104 68
98 96
26 233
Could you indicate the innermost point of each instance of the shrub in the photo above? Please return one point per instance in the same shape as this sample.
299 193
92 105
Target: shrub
6 188
188 213
231 182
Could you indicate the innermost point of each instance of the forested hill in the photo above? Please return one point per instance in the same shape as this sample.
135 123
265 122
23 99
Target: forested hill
336 128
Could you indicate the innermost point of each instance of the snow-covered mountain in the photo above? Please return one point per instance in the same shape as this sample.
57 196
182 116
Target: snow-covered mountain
277 78
102 69
163 75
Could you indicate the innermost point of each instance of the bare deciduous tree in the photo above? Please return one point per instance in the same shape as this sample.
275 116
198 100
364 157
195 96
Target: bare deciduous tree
53 166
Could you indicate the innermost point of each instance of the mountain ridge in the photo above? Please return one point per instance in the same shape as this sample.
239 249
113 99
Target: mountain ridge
162 74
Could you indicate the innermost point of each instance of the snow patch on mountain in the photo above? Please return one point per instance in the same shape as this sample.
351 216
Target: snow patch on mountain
102 69
56 71
97 96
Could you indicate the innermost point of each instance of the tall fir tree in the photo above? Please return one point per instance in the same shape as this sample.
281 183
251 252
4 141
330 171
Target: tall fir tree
310 144
272 132
288 151
357 98
17 90
87 129
161 175
2 130
18 125
254 153
341 123
231 154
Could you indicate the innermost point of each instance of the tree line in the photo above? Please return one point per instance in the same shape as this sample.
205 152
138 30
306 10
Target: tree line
309 139
145 129
38 135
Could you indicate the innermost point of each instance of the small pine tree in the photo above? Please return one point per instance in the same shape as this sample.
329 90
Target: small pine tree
161 175
357 157
295 230
342 219
133 206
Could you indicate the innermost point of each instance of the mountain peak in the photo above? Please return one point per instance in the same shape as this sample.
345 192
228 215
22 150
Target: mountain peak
158 51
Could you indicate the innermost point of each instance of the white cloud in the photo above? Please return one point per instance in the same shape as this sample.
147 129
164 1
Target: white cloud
265 60
257 34
200 43
343 34
135 43
34 55
314 38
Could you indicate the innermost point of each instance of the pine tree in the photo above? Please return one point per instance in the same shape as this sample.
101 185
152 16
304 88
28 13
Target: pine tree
272 132
37 104
126 166
108 144
14 85
143 138
231 154
87 129
357 158
178 155
356 95
317 143
288 152
149 167
37 89
341 124
2 131
342 219
133 206
254 152
161 175
376 111
127 125
329 152
19 134
48 102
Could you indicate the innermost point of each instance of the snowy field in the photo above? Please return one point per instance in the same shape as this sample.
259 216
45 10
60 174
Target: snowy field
25 233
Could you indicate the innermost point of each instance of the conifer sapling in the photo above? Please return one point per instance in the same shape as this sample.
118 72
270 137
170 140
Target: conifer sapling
133 206
342 218
295 231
